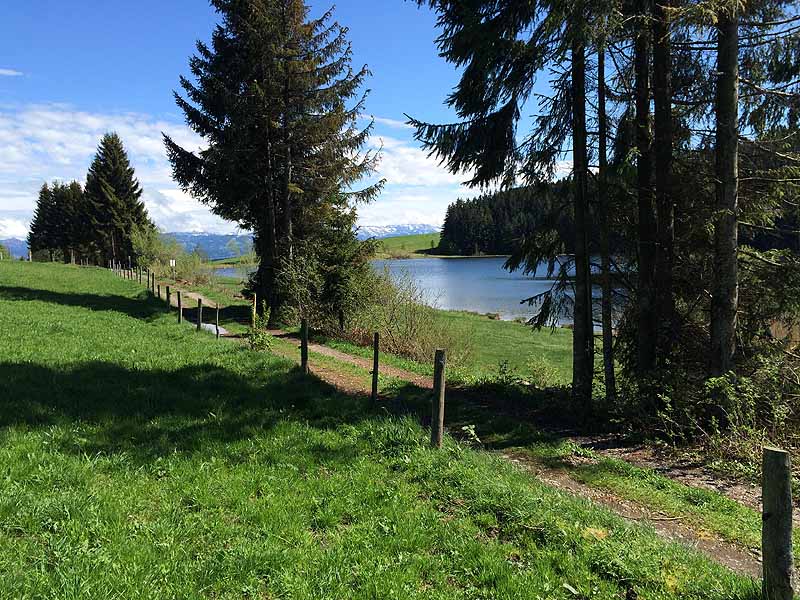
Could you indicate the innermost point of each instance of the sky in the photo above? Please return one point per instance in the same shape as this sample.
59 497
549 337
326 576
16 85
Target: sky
71 71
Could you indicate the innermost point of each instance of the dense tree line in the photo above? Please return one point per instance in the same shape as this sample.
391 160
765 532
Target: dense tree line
277 101
498 222
684 116
97 222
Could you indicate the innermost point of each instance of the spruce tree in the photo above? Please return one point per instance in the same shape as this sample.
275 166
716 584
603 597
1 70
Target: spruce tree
41 236
113 202
277 102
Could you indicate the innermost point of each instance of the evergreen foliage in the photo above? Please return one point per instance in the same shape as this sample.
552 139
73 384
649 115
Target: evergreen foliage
114 209
277 102
57 226
696 195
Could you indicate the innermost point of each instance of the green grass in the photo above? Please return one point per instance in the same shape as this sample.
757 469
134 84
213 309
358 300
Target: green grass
705 510
494 342
408 246
140 459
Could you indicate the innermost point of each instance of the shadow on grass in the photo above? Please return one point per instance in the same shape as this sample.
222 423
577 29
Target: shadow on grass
137 307
149 414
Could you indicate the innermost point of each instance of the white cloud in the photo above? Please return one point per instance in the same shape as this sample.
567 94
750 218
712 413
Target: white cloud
13 228
40 143
394 123
43 142
404 163
10 73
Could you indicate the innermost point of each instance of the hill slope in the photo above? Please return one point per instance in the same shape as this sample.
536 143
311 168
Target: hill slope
143 459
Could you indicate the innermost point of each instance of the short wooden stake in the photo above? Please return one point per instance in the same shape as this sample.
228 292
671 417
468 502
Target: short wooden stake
180 308
375 366
776 533
199 314
437 408
158 292
169 298
304 346
216 322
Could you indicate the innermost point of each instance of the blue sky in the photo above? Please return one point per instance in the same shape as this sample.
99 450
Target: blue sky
69 71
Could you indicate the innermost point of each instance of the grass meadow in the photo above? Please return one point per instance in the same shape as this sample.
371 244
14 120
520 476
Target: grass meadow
141 459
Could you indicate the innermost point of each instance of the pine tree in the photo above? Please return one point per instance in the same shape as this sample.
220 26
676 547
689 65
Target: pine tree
41 236
113 202
271 98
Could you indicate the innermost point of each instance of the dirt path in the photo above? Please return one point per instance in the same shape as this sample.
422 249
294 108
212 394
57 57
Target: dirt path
738 559
365 363
730 555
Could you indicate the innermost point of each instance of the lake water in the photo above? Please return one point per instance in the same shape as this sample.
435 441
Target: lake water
474 284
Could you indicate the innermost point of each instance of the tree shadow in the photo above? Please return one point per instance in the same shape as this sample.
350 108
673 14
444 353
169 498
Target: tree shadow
138 307
151 413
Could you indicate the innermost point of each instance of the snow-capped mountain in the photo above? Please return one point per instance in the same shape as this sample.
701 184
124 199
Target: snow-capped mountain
218 245
385 231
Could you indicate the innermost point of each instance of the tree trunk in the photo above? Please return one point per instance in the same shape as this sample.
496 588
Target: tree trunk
647 321
583 331
605 254
725 285
665 205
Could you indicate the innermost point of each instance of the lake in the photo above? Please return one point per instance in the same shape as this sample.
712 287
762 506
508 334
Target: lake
474 284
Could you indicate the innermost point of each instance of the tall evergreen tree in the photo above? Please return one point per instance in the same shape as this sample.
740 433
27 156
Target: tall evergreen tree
271 97
503 46
42 234
113 202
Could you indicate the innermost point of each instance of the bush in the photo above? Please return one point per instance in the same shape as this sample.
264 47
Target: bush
155 250
408 327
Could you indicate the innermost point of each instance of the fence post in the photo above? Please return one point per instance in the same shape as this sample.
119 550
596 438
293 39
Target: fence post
375 366
169 298
199 314
180 308
304 346
158 291
255 311
437 408
216 322
776 533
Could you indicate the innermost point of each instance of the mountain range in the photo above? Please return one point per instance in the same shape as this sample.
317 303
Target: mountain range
218 245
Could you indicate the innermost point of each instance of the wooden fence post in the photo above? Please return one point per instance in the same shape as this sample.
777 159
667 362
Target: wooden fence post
169 298
158 293
776 533
255 311
216 322
180 308
199 314
437 408
375 366
304 346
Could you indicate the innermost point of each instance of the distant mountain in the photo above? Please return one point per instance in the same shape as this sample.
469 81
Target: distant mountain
216 245
386 231
16 246
213 244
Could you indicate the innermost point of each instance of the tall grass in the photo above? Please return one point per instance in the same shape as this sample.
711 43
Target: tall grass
397 310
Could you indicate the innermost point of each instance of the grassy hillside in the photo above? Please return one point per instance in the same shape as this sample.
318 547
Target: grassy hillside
142 459
408 246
